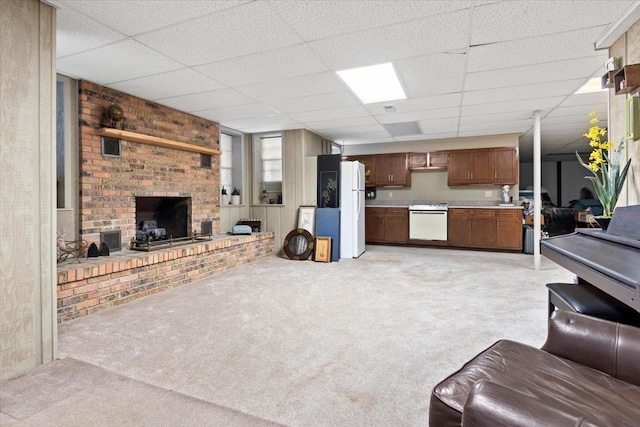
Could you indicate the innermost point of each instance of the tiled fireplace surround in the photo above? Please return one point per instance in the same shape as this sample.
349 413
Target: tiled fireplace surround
108 190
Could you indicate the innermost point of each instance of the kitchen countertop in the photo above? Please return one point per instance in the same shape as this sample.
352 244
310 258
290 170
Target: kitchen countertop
454 204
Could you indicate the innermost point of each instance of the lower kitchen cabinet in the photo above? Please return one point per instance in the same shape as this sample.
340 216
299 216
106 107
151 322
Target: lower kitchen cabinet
386 225
485 228
509 229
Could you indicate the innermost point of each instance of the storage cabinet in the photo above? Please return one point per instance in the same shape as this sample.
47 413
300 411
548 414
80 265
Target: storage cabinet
436 160
485 228
386 225
391 170
483 166
509 229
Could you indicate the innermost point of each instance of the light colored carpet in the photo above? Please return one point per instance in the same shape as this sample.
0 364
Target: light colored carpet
354 343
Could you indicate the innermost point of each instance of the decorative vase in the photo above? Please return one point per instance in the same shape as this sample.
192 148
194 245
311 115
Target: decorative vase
235 199
225 199
603 222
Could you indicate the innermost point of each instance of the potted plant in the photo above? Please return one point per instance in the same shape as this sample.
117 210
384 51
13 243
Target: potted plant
604 163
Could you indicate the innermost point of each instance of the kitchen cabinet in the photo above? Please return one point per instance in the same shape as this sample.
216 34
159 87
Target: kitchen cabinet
386 225
391 170
436 160
509 229
483 166
369 165
485 228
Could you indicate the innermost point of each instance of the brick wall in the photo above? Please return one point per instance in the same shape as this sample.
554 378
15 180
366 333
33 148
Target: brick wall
109 185
100 284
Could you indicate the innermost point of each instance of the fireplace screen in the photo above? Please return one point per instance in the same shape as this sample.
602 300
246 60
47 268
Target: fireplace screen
170 216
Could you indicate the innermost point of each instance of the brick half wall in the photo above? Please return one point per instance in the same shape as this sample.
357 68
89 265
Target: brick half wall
102 283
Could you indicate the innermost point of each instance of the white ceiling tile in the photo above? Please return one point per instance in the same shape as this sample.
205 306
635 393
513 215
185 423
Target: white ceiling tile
135 17
505 116
315 102
429 35
330 114
206 100
76 33
430 127
348 141
353 121
587 99
122 60
242 30
417 104
289 61
273 128
237 112
514 93
434 74
534 50
361 136
429 136
484 132
583 110
510 20
296 87
173 83
265 121
506 107
498 127
350 130
414 116
310 18
539 73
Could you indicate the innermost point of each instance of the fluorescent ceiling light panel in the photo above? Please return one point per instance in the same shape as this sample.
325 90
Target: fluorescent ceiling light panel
593 85
376 83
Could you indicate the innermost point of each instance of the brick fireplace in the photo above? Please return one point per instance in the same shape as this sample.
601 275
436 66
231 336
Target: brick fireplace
111 188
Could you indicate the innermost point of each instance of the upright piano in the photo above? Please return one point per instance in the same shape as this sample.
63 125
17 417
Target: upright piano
608 260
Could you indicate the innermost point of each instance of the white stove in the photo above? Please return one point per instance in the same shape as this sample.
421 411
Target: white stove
429 207
428 221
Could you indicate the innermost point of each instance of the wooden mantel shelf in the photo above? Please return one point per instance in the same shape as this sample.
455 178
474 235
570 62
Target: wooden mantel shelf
154 140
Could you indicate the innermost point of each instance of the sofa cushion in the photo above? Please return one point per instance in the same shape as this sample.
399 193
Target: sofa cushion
582 391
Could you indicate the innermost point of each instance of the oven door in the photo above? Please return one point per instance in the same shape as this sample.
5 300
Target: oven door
428 225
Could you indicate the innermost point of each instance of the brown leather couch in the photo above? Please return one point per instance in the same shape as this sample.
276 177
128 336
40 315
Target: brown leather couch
586 374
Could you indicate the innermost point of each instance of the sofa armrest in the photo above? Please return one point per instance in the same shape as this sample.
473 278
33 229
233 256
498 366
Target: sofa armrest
490 405
607 346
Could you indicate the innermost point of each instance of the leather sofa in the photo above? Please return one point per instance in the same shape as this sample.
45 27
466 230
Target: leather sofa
586 374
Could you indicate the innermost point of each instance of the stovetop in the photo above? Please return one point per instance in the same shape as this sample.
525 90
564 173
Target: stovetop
429 207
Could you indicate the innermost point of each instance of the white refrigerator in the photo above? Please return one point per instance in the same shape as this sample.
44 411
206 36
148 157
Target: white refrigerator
351 209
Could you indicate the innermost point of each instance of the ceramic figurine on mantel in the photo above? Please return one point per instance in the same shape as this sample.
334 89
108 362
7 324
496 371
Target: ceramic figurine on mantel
224 200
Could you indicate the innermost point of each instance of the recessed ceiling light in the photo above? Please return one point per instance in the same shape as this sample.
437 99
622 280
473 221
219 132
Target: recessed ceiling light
591 86
376 83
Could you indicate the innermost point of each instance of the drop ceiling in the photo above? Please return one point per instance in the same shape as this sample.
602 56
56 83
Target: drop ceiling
469 68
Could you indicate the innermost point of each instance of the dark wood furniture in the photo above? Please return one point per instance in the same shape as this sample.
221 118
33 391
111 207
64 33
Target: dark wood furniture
485 228
483 166
391 170
437 160
386 225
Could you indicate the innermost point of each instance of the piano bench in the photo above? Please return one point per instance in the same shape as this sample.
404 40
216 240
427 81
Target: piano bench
589 300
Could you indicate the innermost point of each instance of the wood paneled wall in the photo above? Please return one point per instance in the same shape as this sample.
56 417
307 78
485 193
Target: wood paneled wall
27 172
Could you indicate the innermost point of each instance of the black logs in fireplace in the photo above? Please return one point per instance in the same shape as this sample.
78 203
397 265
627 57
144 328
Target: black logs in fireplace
161 218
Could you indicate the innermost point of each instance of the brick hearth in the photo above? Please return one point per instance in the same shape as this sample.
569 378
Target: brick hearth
105 282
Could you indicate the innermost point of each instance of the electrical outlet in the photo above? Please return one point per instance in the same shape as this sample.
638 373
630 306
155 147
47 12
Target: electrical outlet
488 194
390 194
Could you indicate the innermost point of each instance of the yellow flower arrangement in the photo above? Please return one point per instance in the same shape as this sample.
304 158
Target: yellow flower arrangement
604 164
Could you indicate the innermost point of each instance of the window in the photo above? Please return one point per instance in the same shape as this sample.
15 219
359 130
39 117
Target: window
231 160
268 168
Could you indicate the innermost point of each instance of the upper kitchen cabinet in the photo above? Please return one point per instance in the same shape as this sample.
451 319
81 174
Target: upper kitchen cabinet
483 166
369 163
391 170
436 160
506 166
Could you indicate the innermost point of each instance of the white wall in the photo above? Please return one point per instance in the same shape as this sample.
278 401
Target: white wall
28 328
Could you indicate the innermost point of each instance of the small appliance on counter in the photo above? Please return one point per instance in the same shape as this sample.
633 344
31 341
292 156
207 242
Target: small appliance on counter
505 200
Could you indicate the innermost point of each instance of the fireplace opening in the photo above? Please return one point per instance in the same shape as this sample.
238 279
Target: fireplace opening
171 214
